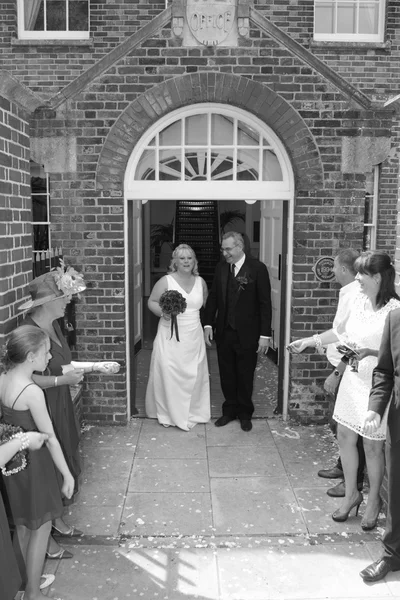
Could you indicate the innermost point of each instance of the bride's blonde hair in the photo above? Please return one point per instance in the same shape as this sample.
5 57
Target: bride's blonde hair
177 253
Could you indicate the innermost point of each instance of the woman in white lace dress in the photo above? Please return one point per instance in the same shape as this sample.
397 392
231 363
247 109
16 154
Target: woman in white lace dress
178 391
364 329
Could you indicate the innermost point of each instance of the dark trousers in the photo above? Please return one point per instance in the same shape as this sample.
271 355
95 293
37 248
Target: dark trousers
236 370
391 539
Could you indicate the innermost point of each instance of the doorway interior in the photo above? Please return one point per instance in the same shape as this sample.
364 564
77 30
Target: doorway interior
159 240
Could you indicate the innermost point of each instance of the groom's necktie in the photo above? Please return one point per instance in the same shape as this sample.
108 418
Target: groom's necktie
231 298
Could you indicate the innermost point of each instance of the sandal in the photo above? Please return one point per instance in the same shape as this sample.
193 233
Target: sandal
72 532
62 553
48 580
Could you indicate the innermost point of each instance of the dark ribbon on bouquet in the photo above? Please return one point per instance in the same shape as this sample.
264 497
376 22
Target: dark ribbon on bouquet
174 324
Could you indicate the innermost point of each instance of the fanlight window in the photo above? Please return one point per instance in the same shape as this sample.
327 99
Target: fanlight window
209 147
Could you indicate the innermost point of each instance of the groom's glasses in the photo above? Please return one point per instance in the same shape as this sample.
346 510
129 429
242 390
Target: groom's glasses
227 250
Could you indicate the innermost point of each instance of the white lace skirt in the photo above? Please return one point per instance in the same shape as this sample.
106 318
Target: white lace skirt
352 399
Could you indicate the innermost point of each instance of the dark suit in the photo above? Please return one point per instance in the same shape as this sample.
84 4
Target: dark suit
240 320
385 389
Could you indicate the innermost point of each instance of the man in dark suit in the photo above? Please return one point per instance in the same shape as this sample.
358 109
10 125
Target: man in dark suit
240 299
385 389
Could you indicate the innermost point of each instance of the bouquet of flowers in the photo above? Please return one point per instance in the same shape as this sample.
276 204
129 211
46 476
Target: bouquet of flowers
19 461
172 303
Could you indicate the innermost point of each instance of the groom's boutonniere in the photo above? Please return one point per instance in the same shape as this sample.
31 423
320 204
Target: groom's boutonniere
242 281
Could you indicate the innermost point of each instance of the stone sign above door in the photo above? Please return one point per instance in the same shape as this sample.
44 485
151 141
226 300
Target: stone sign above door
210 22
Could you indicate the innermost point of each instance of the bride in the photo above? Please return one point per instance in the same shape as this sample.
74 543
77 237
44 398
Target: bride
178 391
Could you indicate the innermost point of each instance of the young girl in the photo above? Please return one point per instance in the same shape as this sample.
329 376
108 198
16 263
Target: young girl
10 578
33 492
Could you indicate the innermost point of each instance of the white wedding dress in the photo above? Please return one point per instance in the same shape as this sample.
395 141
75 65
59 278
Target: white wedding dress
365 328
178 391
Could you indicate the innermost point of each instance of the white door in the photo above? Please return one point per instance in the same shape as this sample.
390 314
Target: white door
136 228
271 255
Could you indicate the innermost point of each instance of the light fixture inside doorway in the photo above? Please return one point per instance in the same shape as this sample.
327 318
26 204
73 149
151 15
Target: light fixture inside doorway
250 201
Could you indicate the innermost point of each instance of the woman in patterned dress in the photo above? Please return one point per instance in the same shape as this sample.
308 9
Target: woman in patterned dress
363 330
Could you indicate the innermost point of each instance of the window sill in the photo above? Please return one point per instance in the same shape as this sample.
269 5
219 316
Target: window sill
351 45
44 42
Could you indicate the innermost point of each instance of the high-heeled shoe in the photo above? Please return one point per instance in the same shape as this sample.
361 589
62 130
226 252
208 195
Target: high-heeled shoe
340 517
368 524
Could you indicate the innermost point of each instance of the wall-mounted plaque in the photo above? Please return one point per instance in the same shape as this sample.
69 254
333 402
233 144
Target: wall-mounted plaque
210 22
323 269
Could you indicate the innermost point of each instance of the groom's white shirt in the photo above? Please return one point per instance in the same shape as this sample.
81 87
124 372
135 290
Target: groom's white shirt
239 264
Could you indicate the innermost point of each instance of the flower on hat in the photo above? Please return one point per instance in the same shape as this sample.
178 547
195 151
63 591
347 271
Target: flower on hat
68 280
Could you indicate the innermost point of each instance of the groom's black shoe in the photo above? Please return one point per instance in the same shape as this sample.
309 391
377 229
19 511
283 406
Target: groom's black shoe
378 570
246 424
224 420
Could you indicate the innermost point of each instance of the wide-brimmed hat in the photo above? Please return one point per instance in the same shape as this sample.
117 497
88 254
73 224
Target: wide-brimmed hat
55 284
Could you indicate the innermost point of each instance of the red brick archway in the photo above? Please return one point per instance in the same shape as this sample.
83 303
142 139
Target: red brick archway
241 92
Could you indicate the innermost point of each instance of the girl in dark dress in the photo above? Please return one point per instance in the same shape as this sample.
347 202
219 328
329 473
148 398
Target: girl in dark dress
33 493
10 578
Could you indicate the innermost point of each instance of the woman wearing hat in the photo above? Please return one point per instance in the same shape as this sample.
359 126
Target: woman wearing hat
50 294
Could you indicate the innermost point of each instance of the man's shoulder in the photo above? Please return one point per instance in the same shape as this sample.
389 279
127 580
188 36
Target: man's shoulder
395 316
254 263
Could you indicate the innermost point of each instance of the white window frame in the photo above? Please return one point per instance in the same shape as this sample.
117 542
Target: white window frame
23 34
48 222
352 37
235 190
373 224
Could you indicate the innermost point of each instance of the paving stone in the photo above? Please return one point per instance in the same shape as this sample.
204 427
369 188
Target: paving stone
169 475
95 520
154 514
93 494
244 461
303 474
111 437
170 442
107 467
255 505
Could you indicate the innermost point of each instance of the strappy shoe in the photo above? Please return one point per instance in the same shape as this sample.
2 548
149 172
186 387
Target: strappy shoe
62 553
72 532
46 580
369 524
340 517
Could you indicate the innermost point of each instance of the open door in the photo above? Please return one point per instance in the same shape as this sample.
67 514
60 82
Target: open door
271 254
135 297
137 275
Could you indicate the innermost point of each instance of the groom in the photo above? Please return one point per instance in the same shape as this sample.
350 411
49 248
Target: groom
240 298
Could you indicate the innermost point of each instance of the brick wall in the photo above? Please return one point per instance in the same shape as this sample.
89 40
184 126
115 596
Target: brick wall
15 211
159 76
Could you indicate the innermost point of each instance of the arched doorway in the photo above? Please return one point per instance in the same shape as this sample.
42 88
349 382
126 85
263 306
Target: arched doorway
213 151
